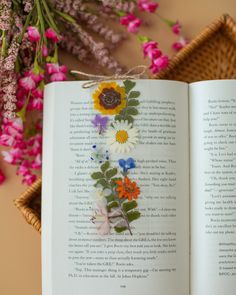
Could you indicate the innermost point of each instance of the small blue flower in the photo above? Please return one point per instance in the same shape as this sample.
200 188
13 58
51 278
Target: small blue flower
127 164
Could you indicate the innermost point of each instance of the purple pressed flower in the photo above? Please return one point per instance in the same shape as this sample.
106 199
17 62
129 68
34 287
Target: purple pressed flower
100 123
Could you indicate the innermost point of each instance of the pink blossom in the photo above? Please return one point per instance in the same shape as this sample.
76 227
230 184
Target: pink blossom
58 77
146 5
37 163
150 49
36 77
33 34
176 28
181 43
159 64
7 140
29 179
131 22
36 104
53 68
35 145
24 168
13 156
2 177
44 51
27 83
51 34
134 26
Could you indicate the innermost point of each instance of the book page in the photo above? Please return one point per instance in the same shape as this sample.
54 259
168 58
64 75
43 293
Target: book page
153 255
213 187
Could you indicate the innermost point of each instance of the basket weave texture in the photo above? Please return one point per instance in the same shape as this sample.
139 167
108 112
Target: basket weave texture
211 55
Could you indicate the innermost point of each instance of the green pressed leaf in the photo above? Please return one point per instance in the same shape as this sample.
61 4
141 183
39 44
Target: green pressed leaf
120 229
105 166
133 215
133 103
118 118
97 175
131 111
110 198
127 206
113 181
102 182
134 94
129 119
112 205
128 85
110 173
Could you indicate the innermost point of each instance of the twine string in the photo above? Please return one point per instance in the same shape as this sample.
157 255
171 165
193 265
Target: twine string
133 73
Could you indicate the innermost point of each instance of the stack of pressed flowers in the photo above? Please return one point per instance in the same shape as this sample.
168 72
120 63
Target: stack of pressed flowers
30 35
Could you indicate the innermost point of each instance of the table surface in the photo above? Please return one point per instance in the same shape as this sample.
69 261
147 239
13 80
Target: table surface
20 249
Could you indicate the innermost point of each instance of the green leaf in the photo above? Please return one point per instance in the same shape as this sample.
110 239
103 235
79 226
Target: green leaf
128 85
134 94
120 229
121 13
112 205
102 182
133 215
118 118
133 103
105 166
97 175
129 119
132 111
143 39
110 198
110 173
113 181
127 206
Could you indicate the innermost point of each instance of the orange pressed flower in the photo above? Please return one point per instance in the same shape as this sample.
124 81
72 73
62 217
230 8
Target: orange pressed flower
127 189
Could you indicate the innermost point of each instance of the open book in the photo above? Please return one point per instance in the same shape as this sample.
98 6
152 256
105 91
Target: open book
139 188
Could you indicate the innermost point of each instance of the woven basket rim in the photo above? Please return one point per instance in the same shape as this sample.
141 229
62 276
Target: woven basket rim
225 21
22 204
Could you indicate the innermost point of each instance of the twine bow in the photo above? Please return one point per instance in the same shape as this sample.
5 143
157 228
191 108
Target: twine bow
130 74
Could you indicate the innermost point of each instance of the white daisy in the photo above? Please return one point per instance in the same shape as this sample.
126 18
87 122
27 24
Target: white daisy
122 136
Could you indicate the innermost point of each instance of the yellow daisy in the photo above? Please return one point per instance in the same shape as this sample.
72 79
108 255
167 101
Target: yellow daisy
109 98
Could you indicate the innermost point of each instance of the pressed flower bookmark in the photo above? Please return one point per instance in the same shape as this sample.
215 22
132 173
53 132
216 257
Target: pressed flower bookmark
118 194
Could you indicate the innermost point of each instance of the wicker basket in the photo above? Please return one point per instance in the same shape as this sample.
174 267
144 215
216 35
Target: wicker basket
211 55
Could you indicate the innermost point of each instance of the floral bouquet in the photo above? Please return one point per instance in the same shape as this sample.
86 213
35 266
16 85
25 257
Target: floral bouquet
31 33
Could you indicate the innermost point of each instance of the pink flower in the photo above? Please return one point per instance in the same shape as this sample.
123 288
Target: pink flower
146 5
29 179
134 25
131 22
23 168
44 51
2 177
58 77
57 72
53 68
33 34
176 28
7 140
150 49
36 77
37 163
159 64
36 104
179 44
51 34
27 83
13 156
